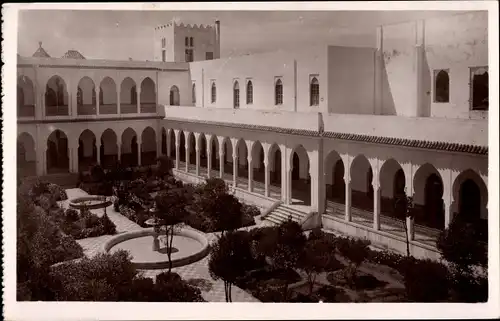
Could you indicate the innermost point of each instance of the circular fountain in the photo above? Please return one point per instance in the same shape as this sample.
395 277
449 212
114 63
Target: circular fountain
148 248
89 202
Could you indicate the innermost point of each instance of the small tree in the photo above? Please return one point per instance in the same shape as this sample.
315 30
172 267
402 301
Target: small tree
164 166
403 208
356 251
318 256
171 212
229 257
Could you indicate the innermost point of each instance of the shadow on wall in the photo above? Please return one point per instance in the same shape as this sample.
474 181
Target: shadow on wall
426 90
388 107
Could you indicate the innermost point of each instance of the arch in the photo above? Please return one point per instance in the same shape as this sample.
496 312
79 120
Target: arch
361 174
258 165
236 95
129 148
57 152
392 185
174 96
191 140
428 197
202 141
214 146
171 134
108 97
86 97
128 96
109 148
275 161
278 92
228 155
56 97
164 141
301 182
193 94
314 92
442 87
148 146
213 93
182 146
470 195
26 155
25 97
87 150
334 177
249 92
148 96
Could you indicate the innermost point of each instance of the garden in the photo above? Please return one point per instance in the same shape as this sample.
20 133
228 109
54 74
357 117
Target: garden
275 263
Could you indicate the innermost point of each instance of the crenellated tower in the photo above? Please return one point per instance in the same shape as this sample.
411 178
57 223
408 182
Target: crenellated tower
178 42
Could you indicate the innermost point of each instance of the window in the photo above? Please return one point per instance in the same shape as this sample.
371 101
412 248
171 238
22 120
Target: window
314 92
479 88
194 94
163 42
186 41
133 96
236 95
441 86
174 96
213 93
163 55
189 55
249 92
191 43
278 92
209 55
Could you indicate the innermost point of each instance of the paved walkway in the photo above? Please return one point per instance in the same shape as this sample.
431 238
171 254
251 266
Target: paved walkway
212 290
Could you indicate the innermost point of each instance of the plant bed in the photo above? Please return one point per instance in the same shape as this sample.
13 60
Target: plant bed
84 224
89 202
321 293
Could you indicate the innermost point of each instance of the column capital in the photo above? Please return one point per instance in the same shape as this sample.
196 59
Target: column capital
249 158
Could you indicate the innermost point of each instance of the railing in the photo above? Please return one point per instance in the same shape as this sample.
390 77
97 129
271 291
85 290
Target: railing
86 109
148 107
57 110
108 109
26 111
128 108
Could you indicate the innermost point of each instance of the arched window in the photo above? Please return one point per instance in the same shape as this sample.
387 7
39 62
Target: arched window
79 97
249 92
194 94
236 95
133 95
314 92
213 93
278 93
442 87
20 97
174 96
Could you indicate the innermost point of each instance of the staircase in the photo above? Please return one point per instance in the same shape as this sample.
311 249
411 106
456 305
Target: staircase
65 180
282 213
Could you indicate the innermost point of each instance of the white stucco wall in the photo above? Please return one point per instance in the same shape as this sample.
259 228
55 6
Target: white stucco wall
351 80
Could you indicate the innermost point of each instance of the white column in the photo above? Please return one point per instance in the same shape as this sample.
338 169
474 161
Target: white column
169 151
118 100
188 151
221 163
288 186
139 150
284 176
235 168
177 139
138 88
209 158
98 148
250 172
410 222
347 199
97 102
119 150
266 178
197 159
376 206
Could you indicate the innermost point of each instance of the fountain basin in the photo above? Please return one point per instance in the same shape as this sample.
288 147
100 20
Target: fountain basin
90 202
189 246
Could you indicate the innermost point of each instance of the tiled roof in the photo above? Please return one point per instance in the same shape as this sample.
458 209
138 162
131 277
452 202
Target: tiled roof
444 146
280 130
412 143
73 54
40 52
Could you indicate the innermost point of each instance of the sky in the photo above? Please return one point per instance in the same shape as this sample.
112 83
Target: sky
120 35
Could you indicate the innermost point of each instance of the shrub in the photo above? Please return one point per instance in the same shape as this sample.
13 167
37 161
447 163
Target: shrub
97 173
72 215
250 210
57 192
469 288
108 225
356 251
172 288
425 280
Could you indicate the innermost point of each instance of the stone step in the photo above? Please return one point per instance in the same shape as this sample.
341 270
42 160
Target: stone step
292 210
285 216
285 212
